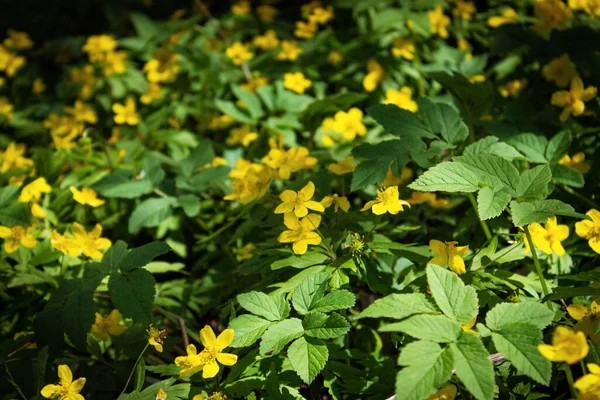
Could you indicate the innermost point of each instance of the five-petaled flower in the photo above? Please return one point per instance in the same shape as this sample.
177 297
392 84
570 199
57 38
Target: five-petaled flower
589 384
126 114
17 235
388 200
301 231
574 99
548 238
567 346
586 318
449 254
299 202
296 82
590 230
155 338
86 196
206 360
105 327
67 388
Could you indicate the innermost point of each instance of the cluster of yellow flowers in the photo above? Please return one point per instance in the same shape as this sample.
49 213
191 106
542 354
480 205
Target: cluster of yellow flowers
10 60
101 49
64 129
162 68
315 14
80 241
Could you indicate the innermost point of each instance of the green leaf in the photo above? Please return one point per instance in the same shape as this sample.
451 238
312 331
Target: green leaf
336 300
491 203
15 214
309 292
279 334
531 312
490 145
400 122
447 177
435 328
518 343
567 176
399 306
248 329
150 213
532 146
114 256
474 100
533 183
144 26
190 204
78 315
229 108
133 294
250 100
558 146
273 308
319 325
304 261
308 357
377 160
457 301
526 213
123 185
203 154
443 119
140 256
491 169
473 367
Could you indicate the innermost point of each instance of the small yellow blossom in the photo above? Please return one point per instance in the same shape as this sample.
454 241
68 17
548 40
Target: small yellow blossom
105 327
343 167
10 62
548 238
155 338
90 243
17 235
560 70
509 16
577 162
299 202
65 244
347 123
163 67
38 86
589 384
388 200
86 196
335 57
267 41
337 202
401 98
6 108
449 254
161 394
321 15
438 21
573 100
586 318
305 30
590 230
266 13
551 14
126 114
207 359
220 122
245 253
33 191
448 392
375 73
479 78
284 163
18 40
513 88
289 50
464 9
254 83
250 181
567 346
154 92
114 63
241 7
67 389
243 134
82 112
403 47
301 231
97 47
296 82
393 180
239 53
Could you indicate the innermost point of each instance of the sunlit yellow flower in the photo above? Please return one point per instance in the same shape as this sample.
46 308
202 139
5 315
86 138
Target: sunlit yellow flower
388 200
266 13
161 394
464 9
38 86
321 15
6 108
448 254
12 158
10 62
241 135
155 338
560 70
98 46
18 40
393 180
401 98
573 100
154 92
551 14
296 82
82 112
589 384
343 167
348 124
509 16
590 230
245 253
90 243
567 346
267 41
33 191
577 162
375 73
250 181
513 87
207 359
305 30
301 231
299 202
403 47
448 392
586 318
337 202
65 244
37 211
335 57
163 67
284 163
548 238
67 389
17 235
241 7
438 21
239 53
86 196
114 63
126 114
289 50
105 327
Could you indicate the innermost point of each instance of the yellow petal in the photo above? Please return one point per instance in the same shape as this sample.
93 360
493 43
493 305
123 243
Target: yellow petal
583 228
207 336
577 311
437 247
210 370
77 385
224 339
547 351
191 350
595 244
65 375
308 191
291 221
288 196
51 391
284 208
227 359
5 232
457 264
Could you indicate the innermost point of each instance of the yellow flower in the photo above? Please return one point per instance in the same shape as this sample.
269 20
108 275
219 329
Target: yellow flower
90 243
448 254
6 108
448 392
86 196
38 86
114 63
509 16
343 167
387 201
589 384
267 41
592 7
374 75
207 359
337 201
11 63
429 198
163 67
321 15
468 327
12 158
161 395
393 180
105 327
220 122
241 7
299 202
82 112
67 389
15 236
33 191
239 53
65 244
590 230
560 70
254 83
464 9
152 93
126 114
586 318
438 22
284 163
567 346
513 88
85 77
403 47
155 338
250 181
573 100
296 82
243 135
37 211
289 50
348 124
577 162
18 40
301 231
551 14
547 238
401 98
335 57
266 13
479 78
98 46
245 253
305 30
198 397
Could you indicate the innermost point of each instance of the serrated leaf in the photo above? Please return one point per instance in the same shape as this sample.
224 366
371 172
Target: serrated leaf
567 176
533 183
530 312
229 108
149 213
526 213
399 306
304 261
435 328
532 146
558 146
518 343
320 325
377 159
133 294
399 122
78 316
261 304
473 366
123 185
279 334
457 301
446 177
140 256
114 256
309 292
490 145
336 300
250 100
308 357
248 329
492 170
491 203
443 119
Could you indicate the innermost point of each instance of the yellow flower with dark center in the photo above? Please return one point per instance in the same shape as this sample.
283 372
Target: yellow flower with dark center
586 318
126 114
241 135
207 359
289 50
299 202
86 196
266 13
560 70
403 47
590 230
588 385
342 167
155 338
464 9
267 41
296 82
438 21
577 162
548 238
551 14
448 392
67 388
239 53
301 231
449 254
375 73
338 202
401 98
567 346
17 235
305 30
509 16
388 200
105 327
573 100
33 191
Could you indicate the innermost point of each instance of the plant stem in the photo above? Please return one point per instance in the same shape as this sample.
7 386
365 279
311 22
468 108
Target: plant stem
581 197
484 225
570 380
13 382
133 369
536 261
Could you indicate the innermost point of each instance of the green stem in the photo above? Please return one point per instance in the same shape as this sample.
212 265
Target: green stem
484 225
583 368
13 382
538 267
581 197
570 380
133 369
